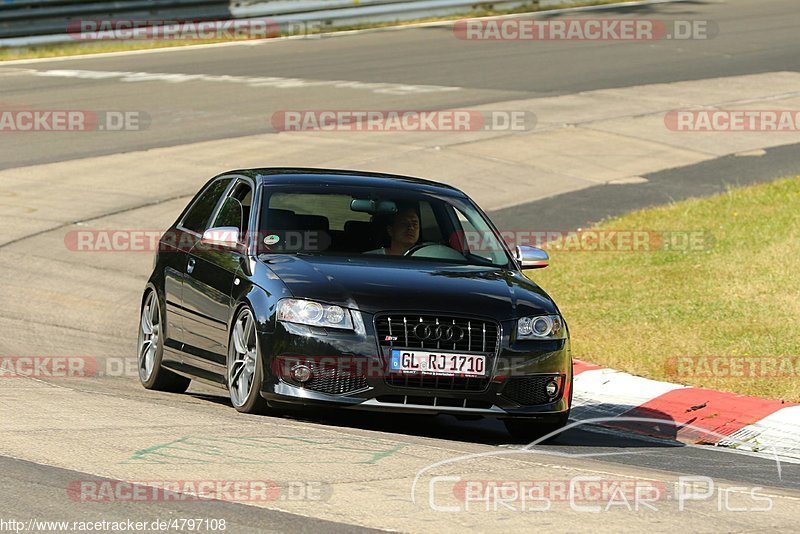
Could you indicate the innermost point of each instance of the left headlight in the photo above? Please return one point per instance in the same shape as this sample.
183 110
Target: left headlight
541 327
313 313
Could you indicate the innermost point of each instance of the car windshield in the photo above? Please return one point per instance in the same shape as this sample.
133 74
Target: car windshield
368 222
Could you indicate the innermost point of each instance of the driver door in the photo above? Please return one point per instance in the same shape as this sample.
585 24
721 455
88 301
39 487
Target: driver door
211 273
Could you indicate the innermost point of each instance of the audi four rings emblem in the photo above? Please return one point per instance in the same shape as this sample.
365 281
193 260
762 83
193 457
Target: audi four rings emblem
438 332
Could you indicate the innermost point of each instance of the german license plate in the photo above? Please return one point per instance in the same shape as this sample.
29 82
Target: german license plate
409 361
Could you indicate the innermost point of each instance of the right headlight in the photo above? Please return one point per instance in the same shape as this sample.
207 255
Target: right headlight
313 313
541 327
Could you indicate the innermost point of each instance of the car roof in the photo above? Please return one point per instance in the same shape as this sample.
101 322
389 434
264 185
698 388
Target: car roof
311 176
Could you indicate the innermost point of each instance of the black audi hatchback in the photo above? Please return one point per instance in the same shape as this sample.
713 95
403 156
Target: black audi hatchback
357 290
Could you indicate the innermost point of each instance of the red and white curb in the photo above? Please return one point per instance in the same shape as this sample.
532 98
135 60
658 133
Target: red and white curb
690 415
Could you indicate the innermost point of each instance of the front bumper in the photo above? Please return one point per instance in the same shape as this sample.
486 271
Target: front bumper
352 369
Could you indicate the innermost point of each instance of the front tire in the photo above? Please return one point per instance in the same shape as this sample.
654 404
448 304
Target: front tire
152 374
244 370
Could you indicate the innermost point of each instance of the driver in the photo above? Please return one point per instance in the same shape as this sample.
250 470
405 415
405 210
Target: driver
403 231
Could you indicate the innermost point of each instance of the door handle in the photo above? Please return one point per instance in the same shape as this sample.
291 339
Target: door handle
190 266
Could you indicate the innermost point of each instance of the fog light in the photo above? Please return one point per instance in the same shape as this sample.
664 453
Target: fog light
301 373
551 388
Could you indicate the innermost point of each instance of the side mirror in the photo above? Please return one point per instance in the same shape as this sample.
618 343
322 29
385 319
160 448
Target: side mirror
226 237
531 257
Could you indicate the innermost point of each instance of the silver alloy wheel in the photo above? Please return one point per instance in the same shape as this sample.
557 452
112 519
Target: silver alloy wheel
149 336
242 358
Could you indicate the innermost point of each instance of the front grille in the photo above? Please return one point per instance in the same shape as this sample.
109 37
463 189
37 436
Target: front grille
466 336
478 336
529 390
335 381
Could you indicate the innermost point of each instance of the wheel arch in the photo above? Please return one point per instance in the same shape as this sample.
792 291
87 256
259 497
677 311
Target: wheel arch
261 303
151 287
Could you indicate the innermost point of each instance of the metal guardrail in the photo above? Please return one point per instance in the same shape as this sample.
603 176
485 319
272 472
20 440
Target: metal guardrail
29 22
28 18
332 13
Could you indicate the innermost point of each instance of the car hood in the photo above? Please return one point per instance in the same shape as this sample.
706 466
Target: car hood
385 284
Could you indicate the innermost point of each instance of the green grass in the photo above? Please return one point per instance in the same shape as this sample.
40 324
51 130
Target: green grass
82 48
636 311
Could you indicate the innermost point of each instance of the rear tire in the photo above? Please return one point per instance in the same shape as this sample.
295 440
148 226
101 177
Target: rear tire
152 374
530 430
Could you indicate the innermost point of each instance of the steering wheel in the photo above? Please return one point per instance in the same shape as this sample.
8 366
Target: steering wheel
413 250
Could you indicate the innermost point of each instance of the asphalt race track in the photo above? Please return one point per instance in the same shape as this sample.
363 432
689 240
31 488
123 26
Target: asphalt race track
756 37
342 472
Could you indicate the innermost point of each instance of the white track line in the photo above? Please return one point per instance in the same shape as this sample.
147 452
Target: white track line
250 81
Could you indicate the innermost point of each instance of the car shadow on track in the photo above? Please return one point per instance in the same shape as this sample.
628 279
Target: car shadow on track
489 431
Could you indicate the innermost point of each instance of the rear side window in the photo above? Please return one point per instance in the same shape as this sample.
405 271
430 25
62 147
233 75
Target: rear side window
197 217
336 208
